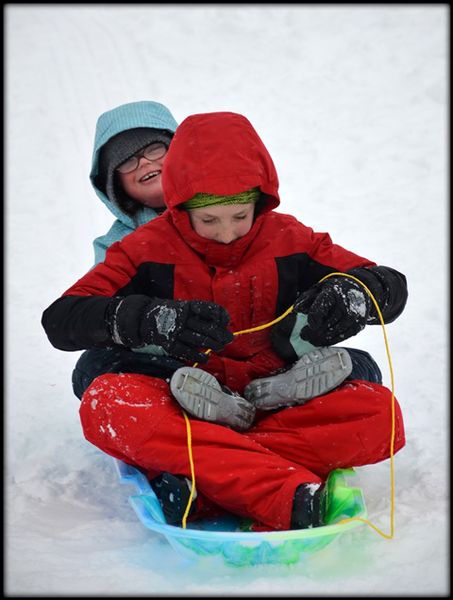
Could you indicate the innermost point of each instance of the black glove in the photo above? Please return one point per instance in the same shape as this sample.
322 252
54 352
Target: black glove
180 327
336 314
336 309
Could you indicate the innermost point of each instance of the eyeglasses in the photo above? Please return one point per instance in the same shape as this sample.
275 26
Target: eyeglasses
151 152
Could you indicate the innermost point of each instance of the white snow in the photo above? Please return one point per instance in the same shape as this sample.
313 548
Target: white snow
351 102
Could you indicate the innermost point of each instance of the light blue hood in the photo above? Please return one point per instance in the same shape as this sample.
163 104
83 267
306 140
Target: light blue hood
128 116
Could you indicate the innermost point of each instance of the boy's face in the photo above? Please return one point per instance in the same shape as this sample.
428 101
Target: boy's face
223 223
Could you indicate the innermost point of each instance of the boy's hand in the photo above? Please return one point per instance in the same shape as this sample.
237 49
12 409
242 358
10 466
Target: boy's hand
181 327
336 310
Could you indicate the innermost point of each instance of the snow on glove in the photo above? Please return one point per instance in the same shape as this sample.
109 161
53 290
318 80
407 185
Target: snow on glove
336 309
181 327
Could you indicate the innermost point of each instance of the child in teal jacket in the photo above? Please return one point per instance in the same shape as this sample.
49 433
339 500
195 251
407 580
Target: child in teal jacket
130 146
120 133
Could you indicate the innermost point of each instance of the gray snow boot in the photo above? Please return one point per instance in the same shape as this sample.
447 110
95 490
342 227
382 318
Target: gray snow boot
314 374
201 395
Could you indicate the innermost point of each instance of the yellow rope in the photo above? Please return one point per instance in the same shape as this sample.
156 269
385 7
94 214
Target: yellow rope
192 470
390 535
266 325
392 438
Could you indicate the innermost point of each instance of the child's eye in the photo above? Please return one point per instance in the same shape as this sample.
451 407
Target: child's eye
241 218
207 221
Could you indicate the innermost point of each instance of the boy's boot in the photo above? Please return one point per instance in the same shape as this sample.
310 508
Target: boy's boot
201 395
314 374
309 506
173 492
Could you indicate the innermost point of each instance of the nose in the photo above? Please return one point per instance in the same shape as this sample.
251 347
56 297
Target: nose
145 159
226 236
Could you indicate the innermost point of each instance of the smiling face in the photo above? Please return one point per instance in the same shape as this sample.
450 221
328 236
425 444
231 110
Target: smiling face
223 223
144 184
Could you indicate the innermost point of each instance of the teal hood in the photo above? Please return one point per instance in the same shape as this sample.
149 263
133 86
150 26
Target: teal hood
128 116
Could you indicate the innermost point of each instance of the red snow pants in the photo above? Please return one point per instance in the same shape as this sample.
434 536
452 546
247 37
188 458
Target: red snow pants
254 473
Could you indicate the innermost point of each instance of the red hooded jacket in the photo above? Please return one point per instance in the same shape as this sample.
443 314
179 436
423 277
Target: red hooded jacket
256 277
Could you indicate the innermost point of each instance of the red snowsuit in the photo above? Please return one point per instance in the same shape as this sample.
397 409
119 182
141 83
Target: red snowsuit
135 418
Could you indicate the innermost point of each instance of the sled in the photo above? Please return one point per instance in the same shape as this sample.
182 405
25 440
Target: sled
226 537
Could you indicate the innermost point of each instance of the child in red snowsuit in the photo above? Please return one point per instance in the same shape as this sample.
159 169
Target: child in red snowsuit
221 260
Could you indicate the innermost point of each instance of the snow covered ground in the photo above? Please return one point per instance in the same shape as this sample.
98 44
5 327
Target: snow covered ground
351 101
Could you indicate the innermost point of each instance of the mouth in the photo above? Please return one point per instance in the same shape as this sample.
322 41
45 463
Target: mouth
149 176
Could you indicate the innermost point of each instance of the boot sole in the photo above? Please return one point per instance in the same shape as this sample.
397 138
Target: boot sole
201 395
314 374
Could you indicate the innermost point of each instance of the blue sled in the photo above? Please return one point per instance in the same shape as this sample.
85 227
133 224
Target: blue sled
225 536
